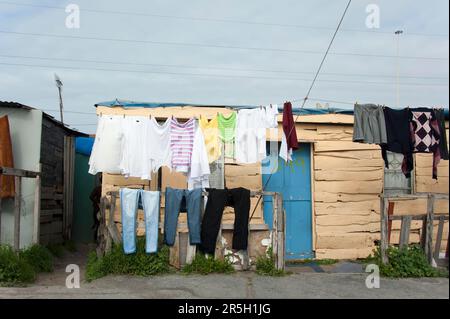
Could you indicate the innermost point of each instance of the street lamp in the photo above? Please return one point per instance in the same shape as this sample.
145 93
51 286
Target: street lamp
398 33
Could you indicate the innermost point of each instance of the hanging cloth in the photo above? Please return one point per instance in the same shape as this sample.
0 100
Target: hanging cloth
398 138
135 151
250 136
181 143
443 146
7 188
160 153
289 141
425 134
106 152
370 124
211 134
227 133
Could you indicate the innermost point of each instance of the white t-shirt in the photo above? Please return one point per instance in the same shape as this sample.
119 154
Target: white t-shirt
135 148
159 144
271 116
199 171
107 149
250 146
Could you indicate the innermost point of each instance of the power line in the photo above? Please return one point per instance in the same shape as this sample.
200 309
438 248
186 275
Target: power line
229 21
52 67
309 92
191 44
215 68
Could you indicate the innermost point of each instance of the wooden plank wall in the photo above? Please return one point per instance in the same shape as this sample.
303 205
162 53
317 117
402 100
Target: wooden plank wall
52 183
347 177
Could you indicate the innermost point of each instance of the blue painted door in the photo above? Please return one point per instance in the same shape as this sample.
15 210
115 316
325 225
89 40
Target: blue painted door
293 181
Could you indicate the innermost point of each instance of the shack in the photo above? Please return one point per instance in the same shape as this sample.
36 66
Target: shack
41 144
331 191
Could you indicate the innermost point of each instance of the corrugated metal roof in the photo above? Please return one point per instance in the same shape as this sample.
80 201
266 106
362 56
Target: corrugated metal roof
296 111
134 104
16 105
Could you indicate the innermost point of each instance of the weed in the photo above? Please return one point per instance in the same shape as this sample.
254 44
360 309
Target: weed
265 265
39 257
13 269
117 263
408 262
208 265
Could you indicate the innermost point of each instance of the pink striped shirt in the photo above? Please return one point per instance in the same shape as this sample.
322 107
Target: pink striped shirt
181 143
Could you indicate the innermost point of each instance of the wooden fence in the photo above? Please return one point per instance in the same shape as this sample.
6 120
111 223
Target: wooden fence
387 216
108 232
18 175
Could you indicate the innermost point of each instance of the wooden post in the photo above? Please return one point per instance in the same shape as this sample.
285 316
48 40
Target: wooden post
384 229
111 225
429 228
390 213
281 233
17 204
404 232
37 208
219 253
275 228
423 235
437 247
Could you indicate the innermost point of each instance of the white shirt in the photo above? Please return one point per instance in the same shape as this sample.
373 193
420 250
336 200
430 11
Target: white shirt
271 116
198 175
135 148
250 146
159 144
107 149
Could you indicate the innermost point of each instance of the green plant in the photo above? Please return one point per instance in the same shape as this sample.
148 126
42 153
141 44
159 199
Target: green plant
407 262
39 257
207 265
14 269
265 265
116 262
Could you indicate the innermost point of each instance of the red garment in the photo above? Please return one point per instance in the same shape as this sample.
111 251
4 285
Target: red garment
289 126
7 186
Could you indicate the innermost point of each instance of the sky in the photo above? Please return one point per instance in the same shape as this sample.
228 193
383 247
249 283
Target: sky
233 52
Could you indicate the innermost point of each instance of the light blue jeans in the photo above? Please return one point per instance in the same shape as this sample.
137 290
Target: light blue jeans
129 202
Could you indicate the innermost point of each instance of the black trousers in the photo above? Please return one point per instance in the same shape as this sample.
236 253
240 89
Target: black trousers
218 199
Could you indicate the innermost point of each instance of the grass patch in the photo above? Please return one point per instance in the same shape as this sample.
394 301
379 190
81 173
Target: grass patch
265 265
22 267
408 262
39 257
117 263
203 265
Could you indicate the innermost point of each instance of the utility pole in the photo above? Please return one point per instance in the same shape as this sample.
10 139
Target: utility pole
398 33
59 85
